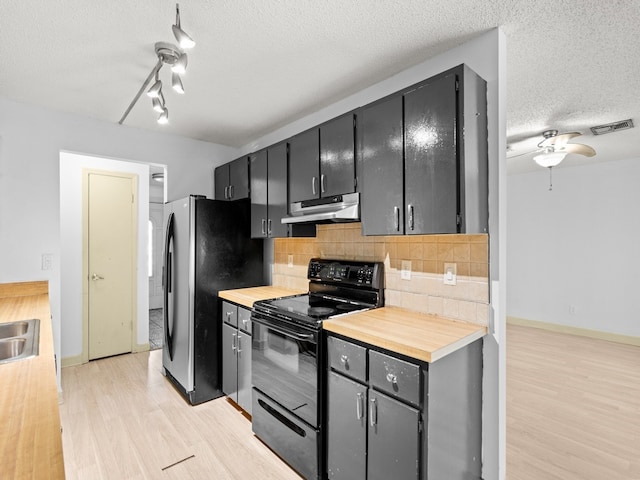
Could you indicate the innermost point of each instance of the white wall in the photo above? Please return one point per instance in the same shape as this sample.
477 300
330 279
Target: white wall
576 246
486 56
31 140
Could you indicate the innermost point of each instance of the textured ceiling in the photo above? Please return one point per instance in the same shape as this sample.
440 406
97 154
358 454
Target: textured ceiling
259 65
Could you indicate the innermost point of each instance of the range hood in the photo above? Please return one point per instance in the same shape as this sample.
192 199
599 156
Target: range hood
338 208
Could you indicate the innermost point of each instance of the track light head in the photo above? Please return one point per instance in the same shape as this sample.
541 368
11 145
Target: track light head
184 40
163 119
176 83
180 65
156 89
158 103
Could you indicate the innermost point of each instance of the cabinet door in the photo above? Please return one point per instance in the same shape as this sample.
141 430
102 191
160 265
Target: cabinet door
431 160
244 371
394 439
239 179
277 191
346 428
221 180
337 163
304 166
381 168
230 361
258 194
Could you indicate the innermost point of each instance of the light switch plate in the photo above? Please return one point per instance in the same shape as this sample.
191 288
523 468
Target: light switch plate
405 273
450 275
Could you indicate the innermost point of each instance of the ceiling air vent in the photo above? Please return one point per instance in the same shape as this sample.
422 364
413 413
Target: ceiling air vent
612 127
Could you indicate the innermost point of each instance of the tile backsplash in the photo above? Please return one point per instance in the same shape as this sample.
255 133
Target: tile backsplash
425 291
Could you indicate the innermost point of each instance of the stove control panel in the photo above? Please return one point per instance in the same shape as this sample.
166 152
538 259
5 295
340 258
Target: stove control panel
351 272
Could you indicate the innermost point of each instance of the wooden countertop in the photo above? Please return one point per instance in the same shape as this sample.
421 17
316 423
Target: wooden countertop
30 436
246 296
417 335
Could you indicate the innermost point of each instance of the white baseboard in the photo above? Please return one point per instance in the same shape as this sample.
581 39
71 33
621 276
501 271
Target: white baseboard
584 332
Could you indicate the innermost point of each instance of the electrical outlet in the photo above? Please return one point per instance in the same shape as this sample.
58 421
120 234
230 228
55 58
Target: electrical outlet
405 273
290 261
47 260
450 276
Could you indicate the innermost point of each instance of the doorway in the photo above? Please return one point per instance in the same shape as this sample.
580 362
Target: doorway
109 263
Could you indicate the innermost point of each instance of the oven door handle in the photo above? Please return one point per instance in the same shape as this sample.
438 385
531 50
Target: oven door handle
286 333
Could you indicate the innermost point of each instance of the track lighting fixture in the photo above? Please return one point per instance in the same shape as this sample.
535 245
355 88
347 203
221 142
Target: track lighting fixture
176 58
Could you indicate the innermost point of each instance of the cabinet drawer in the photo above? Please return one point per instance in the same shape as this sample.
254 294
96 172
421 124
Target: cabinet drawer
244 320
347 358
394 376
230 313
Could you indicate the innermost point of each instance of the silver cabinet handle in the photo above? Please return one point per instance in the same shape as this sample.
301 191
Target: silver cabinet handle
410 209
344 359
313 185
322 177
396 218
226 192
264 226
391 378
239 345
230 192
95 276
229 315
359 405
269 226
245 322
373 412
233 343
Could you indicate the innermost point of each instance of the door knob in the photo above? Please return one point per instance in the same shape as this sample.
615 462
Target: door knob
95 276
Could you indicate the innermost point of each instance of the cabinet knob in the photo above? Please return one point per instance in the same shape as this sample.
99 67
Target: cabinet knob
344 359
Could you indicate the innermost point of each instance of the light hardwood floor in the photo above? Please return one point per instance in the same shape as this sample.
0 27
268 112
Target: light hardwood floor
121 419
573 407
573 413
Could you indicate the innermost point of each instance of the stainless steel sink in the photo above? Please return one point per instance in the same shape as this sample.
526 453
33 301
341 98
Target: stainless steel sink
19 340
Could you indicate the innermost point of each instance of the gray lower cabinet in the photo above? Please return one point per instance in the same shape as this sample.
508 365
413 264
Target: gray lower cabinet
393 417
236 354
347 428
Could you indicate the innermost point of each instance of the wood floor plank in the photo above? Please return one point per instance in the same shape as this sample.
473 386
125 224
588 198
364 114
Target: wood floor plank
121 418
573 407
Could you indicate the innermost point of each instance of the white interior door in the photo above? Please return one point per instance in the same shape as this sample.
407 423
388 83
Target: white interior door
111 226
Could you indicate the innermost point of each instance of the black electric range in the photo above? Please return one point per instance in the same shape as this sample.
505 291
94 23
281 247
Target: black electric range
288 357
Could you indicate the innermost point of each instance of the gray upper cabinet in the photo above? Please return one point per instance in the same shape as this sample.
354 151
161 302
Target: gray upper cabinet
431 161
337 156
322 160
232 180
304 166
439 183
269 192
380 167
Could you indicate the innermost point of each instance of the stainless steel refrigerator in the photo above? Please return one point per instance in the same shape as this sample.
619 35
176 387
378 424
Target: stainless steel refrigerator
207 249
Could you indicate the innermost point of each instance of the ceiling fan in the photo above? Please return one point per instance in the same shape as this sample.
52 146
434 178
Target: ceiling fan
552 150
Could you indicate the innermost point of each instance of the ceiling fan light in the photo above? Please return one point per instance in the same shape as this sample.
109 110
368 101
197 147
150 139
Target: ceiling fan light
155 90
549 159
163 119
180 65
176 83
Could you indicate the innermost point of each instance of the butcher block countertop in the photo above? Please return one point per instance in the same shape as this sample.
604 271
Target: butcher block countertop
246 296
416 335
30 436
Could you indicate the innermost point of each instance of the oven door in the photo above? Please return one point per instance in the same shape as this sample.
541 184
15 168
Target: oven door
284 364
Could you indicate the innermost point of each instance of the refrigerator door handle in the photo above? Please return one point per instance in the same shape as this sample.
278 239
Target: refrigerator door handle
167 280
